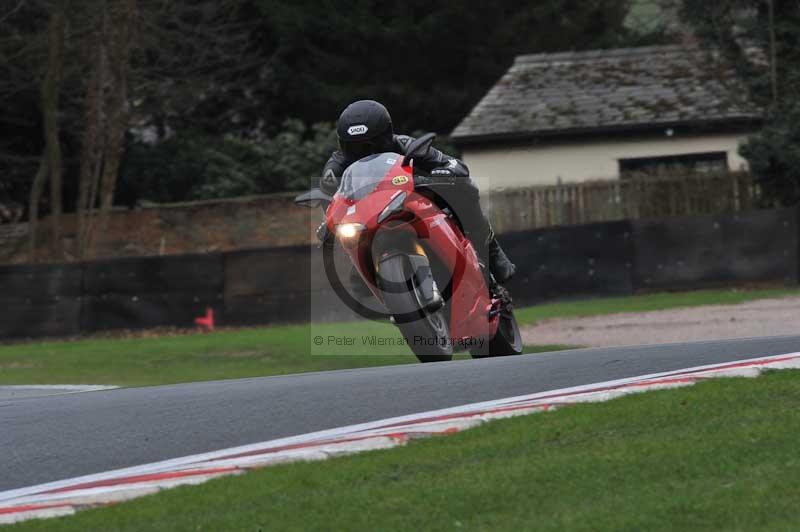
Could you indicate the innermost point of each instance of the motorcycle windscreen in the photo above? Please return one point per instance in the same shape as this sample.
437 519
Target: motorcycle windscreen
361 177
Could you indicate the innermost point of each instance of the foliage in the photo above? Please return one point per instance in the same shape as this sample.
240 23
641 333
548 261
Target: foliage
198 66
205 71
774 156
742 30
297 154
194 166
429 62
77 75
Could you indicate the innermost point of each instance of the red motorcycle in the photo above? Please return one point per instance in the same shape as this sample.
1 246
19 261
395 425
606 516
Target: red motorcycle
409 248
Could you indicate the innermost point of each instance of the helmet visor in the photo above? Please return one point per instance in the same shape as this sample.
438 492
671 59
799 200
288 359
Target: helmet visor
355 150
358 148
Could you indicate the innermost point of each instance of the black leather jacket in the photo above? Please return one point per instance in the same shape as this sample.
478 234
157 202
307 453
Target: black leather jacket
433 162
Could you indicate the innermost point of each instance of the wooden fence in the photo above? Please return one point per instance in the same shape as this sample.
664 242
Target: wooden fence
516 209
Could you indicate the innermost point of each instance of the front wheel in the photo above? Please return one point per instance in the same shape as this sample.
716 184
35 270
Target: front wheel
427 333
507 340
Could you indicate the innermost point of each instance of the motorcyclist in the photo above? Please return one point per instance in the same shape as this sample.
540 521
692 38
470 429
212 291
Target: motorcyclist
365 128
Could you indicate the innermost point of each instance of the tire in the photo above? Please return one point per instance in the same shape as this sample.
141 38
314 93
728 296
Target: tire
507 340
427 334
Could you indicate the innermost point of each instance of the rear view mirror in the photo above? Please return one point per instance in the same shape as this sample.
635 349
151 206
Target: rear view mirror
418 147
313 198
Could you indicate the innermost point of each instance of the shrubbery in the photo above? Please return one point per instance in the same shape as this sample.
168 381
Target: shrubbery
774 156
765 51
193 166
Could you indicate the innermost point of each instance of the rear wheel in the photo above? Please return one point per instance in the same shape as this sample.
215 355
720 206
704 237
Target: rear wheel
427 333
507 340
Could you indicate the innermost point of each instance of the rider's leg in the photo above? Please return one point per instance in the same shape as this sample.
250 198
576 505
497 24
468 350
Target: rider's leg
466 203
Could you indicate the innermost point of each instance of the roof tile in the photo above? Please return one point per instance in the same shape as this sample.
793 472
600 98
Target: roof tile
568 91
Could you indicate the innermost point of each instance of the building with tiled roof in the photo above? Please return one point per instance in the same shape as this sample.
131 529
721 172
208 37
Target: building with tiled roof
579 116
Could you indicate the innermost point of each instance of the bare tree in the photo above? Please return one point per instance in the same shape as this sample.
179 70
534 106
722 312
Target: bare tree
101 66
93 137
51 162
107 116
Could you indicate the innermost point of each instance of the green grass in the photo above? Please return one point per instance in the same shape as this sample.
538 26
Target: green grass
721 455
196 357
277 350
645 303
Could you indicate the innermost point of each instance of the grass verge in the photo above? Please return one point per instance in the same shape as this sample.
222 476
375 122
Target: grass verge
230 354
646 303
721 455
278 350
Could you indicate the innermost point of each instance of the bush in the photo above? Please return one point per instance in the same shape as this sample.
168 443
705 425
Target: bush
774 157
192 166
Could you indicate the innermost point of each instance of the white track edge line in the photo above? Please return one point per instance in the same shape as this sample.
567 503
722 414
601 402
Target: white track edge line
156 467
71 388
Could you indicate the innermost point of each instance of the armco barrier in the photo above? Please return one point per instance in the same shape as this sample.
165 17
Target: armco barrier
289 285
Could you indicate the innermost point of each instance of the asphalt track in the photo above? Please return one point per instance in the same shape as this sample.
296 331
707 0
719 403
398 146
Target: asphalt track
50 438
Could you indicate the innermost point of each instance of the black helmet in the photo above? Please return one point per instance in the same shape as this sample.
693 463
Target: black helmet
364 128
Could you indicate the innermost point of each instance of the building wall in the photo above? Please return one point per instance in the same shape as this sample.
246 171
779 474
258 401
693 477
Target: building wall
547 164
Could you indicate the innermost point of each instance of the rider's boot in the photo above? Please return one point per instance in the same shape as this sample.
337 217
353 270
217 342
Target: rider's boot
501 267
494 259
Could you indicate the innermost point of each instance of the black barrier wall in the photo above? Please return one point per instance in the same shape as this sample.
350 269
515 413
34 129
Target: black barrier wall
594 259
40 300
687 251
276 285
150 291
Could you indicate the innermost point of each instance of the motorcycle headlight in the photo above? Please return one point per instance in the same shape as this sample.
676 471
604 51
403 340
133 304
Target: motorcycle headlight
347 231
394 206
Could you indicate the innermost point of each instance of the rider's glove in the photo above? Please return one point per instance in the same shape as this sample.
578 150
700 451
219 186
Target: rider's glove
441 172
439 176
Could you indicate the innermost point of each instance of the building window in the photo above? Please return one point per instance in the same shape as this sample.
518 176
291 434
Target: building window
704 163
